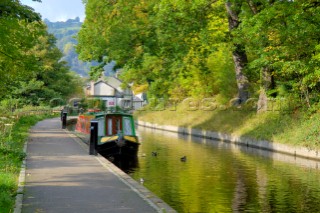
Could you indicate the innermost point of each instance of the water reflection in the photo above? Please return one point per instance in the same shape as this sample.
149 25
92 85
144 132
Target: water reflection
222 177
128 164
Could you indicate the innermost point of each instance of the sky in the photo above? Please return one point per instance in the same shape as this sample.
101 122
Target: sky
58 10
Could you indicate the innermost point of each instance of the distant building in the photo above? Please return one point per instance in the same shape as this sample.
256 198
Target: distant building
139 100
110 90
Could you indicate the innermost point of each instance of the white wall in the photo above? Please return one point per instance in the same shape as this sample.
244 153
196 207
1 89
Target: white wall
103 89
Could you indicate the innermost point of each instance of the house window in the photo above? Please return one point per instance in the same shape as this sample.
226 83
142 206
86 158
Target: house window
126 104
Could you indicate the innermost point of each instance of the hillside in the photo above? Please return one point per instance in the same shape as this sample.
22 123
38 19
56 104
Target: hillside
65 33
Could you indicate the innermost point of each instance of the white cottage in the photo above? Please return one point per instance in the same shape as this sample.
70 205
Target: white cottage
111 92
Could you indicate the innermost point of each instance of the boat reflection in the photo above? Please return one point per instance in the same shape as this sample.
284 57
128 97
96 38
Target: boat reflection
127 164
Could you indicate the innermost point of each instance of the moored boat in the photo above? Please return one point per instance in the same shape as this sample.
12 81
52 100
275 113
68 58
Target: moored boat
116 132
120 136
83 122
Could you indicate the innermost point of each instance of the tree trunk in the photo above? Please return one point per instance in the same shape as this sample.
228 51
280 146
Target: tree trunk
240 61
263 101
267 82
239 53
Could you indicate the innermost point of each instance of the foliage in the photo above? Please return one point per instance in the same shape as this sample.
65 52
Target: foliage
284 36
30 66
176 46
13 9
161 43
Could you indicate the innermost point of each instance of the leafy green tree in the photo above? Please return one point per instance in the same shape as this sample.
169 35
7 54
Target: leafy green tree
161 43
283 40
30 65
14 9
16 38
173 46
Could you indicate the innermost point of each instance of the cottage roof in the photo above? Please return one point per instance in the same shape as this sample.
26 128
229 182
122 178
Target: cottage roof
101 81
115 82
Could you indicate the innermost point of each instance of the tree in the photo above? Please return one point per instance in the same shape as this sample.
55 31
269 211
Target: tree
170 46
14 9
17 36
282 39
161 43
30 65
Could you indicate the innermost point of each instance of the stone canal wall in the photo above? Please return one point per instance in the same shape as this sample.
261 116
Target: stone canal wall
260 144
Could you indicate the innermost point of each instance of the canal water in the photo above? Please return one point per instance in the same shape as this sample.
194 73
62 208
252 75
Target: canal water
199 175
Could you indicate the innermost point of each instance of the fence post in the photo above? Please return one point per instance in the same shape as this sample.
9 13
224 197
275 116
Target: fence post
64 120
93 137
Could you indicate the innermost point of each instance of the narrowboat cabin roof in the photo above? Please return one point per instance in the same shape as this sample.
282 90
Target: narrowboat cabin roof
118 113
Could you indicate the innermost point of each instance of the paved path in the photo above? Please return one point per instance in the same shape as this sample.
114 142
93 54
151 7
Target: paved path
62 178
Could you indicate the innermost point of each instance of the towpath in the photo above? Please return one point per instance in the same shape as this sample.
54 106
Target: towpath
61 177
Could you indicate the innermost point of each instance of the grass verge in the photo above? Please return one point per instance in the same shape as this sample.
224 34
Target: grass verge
288 127
13 134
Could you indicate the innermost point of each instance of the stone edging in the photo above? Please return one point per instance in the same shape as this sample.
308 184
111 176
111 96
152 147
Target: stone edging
21 182
260 144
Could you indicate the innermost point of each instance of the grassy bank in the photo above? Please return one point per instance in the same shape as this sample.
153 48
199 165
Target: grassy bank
288 127
13 134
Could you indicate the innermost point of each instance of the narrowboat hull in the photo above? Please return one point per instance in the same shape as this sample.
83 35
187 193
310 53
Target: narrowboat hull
113 146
